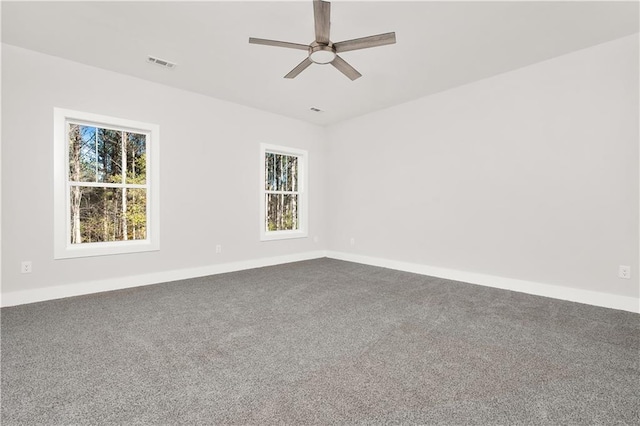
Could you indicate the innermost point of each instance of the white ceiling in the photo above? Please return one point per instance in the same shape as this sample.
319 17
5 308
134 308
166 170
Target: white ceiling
440 45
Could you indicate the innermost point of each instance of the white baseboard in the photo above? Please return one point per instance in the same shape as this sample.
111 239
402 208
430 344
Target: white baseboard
77 289
607 300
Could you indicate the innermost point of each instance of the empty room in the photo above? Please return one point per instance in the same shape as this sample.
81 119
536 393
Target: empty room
312 212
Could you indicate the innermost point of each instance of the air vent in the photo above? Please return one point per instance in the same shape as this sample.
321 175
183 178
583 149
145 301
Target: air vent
161 62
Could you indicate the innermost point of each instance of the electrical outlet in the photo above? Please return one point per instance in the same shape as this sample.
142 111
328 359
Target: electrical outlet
316 239
25 267
352 241
624 271
218 248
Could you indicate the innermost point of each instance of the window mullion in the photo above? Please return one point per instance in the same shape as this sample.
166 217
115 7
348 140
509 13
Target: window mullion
109 185
95 137
282 192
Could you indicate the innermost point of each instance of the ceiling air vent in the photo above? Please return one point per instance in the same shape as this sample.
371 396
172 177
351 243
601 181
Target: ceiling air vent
161 62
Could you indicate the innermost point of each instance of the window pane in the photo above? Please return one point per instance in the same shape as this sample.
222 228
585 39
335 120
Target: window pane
95 214
270 171
281 172
291 173
100 214
135 220
83 161
282 212
136 151
109 152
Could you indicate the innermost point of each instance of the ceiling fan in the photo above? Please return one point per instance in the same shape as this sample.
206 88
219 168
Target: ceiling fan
322 50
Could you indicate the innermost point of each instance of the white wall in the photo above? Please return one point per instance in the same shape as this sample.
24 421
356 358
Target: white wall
531 175
209 172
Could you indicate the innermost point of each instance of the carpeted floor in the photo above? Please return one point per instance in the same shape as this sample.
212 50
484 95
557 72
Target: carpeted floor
318 342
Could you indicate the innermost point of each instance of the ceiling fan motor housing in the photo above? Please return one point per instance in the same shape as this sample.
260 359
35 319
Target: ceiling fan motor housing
321 53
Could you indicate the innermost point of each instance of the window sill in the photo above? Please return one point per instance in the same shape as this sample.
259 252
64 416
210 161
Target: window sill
105 249
282 235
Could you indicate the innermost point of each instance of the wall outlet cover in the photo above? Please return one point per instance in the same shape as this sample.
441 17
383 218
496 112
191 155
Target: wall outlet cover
624 271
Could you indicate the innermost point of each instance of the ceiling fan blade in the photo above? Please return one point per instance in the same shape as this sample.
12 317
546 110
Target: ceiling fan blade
321 16
299 68
345 68
276 43
365 42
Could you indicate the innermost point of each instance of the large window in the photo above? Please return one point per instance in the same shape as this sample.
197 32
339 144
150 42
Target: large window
283 186
106 198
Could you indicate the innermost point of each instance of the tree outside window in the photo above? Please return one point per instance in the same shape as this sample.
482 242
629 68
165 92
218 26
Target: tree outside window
284 207
105 185
107 179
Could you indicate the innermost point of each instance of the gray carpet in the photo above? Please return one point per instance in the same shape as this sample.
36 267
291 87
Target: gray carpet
318 342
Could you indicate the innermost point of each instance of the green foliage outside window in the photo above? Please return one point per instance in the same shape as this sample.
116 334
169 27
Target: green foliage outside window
107 175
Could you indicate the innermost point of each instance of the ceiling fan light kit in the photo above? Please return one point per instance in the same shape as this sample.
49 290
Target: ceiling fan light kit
321 54
322 51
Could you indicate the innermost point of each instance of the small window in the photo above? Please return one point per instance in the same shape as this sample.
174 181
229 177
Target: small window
283 193
106 195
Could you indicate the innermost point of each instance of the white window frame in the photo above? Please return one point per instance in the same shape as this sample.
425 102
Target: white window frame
63 248
303 205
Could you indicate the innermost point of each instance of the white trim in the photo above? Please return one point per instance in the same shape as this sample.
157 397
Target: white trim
63 249
303 198
22 297
281 235
607 300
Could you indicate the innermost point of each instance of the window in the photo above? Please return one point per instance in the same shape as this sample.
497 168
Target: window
283 197
106 185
